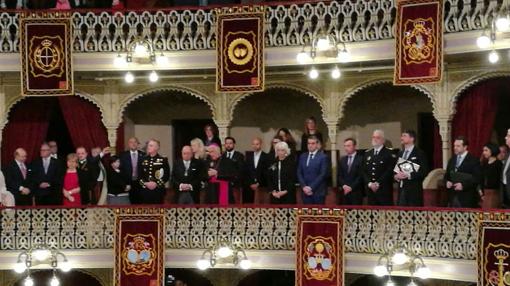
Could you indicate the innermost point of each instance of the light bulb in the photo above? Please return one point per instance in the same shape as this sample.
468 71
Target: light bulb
344 56
203 264
119 62
129 77
503 24
153 76
399 258
28 281
302 57
335 73
54 281
380 270
412 283
313 73
245 264
493 57
20 267
323 43
224 251
65 266
423 272
390 282
483 42
41 254
162 60
140 50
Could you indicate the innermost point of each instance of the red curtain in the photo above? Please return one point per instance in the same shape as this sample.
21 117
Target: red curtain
27 128
119 145
437 159
476 112
83 120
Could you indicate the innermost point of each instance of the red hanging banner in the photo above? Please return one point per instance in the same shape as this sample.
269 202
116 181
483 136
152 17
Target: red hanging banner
320 249
419 42
139 248
494 253
240 49
46 54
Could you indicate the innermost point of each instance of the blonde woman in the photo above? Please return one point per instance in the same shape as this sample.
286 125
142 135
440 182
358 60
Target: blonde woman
198 149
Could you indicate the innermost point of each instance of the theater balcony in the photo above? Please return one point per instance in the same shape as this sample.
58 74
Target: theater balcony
445 239
187 35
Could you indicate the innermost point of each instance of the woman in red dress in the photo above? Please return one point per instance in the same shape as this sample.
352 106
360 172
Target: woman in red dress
71 189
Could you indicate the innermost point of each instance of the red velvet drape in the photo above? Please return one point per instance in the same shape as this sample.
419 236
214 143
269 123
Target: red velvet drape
119 145
83 120
476 112
27 128
437 159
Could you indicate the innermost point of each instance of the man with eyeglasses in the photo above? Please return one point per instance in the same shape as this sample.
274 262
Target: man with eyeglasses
46 178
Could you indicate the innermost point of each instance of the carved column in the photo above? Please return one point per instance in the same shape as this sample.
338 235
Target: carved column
332 129
445 130
222 114
111 116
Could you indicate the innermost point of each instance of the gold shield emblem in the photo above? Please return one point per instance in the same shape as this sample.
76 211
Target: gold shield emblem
138 254
320 258
46 56
240 51
419 41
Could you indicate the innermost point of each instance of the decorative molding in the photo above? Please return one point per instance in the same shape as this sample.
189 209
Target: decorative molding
373 82
295 87
148 91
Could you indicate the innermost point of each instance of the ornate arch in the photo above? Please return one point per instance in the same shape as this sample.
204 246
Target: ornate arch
296 87
141 93
373 82
470 82
99 280
88 97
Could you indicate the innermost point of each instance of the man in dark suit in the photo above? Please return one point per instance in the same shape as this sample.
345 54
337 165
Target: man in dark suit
46 178
410 185
462 194
313 172
17 177
505 177
130 161
378 166
88 171
187 177
256 165
154 173
233 161
350 178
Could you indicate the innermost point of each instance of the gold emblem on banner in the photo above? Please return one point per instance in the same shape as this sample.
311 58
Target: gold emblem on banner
240 51
46 56
319 258
497 274
139 255
419 41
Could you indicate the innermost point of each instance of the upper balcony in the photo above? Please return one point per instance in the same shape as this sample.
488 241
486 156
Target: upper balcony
367 28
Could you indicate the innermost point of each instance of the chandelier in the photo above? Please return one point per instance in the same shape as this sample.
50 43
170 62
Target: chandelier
401 258
41 255
140 51
499 23
328 46
223 252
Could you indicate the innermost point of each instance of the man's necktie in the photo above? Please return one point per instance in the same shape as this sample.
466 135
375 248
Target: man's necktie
23 171
457 164
349 163
310 158
134 165
406 155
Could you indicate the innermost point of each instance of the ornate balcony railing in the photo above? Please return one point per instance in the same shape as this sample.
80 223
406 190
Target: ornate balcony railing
286 25
442 233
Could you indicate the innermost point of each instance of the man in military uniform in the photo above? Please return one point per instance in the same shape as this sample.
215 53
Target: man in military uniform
154 173
378 171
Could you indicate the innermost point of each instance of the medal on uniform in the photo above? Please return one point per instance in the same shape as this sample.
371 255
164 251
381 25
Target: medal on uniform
159 174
